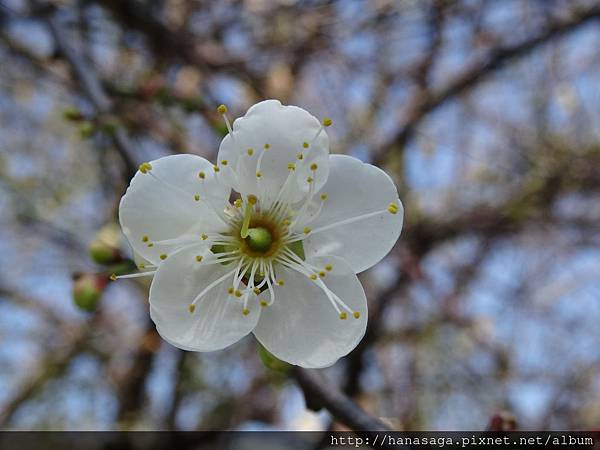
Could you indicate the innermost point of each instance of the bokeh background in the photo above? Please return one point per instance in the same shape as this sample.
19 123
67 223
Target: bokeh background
485 113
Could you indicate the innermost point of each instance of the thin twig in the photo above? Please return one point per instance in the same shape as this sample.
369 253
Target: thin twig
498 58
92 88
317 393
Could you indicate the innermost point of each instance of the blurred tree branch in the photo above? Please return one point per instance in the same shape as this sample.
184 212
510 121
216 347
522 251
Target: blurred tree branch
90 85
300 39
53 366
426 101
319 395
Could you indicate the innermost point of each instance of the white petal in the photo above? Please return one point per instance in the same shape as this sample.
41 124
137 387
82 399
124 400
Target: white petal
153 210
285 129
217 320
354 189
302 328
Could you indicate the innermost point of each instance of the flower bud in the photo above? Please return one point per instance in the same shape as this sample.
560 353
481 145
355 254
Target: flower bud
104 249
86 129
72 114
87 290
104 254
271 361
502 421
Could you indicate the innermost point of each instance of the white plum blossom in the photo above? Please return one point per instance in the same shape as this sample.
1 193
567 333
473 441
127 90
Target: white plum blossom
267 241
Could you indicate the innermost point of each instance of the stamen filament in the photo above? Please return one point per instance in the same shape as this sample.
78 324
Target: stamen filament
338 224
219 261
134 275
170 186
211 286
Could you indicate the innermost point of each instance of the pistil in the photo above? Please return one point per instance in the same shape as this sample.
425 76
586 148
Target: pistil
259 239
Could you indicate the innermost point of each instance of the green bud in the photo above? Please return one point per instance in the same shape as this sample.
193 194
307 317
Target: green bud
86 130
104 254
271 362
87 290
72 114
104 249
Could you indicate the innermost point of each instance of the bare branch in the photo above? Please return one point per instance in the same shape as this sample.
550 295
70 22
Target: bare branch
92 88
318 395
426 102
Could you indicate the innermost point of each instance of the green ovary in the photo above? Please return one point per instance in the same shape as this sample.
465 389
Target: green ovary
259 239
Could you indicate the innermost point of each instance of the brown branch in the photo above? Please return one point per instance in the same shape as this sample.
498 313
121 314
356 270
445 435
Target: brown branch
423 234
131 389
55 364
319 395
426 102
179 45
90 85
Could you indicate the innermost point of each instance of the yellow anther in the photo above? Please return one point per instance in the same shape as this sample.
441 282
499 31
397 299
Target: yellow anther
202 175
151 244
230 290
393 208
313 167
113 277
256 290
286 222
145 238
224 162
322 274
306 230
237 293
300 156
263 303
203 237
267 146
216 169
163 256
356 314
145 167
313 276
250 151
192 308
309 180
197 197
323 197
142 266
252 199
305 144
343 316
199 258
245 311
292 166
280 282
222 109
327 122
258 174
328 267
238 203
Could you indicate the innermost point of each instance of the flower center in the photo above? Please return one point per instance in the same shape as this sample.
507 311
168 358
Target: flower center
259 239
